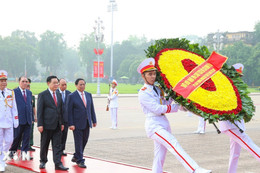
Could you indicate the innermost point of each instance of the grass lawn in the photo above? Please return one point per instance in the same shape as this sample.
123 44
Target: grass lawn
254 90
36 88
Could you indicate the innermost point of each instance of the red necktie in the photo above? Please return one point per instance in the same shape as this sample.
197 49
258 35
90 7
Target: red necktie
54 97
83 100
24 96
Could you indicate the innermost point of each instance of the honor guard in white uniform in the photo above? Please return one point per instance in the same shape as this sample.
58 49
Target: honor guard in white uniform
8 118
201 126
113 103
157 125
238 139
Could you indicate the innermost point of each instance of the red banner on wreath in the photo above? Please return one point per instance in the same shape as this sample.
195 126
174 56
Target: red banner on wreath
200 74
101 69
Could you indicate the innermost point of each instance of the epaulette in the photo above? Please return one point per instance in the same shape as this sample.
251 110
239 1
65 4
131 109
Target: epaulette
143 89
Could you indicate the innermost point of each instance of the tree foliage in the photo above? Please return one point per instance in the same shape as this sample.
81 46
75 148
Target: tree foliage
51 53
247 55
17 50
86 52
51 50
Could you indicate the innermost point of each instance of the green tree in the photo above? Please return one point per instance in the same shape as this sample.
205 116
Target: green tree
70 64
3 52
252 66
86 52
135 77
129 68
51 50
28 50
15 51
257 33
241 53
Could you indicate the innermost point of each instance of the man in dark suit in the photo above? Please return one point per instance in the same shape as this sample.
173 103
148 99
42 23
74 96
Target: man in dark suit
23 98
34 118
81 118
64 95
50 123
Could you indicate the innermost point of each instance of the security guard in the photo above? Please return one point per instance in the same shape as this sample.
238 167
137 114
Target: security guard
238 139
113 103
8 118
157 125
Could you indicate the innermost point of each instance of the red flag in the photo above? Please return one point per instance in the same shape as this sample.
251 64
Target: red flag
100 51
95 50
101 69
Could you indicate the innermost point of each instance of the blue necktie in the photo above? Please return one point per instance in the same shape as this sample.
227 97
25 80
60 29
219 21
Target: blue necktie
3 93
63 97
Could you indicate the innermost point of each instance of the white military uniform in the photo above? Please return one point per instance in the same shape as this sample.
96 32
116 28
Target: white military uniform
238 139
201 126
157 125
158 128
113 105
8 121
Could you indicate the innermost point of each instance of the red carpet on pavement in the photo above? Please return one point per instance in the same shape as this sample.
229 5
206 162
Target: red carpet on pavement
94 165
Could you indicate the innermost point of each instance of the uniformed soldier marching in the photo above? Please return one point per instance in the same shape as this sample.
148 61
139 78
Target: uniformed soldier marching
238 139
157 125
8 118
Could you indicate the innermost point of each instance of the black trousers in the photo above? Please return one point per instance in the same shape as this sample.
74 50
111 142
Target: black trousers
64 136
55 137
31 137
80 140
21 133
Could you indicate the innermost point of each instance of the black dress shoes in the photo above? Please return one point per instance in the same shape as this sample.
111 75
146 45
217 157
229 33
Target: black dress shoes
74 159
42 165
31 149
64 154
82 165
11 154
61 167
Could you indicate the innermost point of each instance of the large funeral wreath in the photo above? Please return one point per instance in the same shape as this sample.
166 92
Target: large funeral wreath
224 96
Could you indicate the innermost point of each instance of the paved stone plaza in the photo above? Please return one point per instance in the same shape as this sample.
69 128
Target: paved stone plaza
129 143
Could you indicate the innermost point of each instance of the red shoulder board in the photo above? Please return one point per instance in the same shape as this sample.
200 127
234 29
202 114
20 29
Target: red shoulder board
144 88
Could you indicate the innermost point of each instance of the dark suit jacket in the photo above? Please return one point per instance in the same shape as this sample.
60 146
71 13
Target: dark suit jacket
24 108
78 113
64 111
48 114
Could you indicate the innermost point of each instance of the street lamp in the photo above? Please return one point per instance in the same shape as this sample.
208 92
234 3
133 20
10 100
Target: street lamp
99 36
111 8
218 41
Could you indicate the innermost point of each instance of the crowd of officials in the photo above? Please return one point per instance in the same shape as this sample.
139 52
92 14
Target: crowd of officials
18 115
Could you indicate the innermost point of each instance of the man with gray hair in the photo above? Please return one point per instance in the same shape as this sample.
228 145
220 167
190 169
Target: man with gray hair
64 95
23 98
